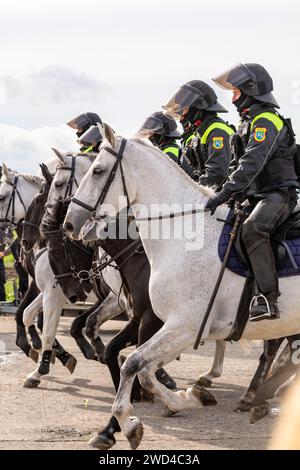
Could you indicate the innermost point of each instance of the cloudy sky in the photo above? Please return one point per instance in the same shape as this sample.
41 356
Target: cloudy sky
123 59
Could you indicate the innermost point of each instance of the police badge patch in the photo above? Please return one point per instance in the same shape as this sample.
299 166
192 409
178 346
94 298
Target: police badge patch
260 134
218 143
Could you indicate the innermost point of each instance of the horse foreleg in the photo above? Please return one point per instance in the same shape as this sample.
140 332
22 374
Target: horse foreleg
169 342
76 332
206 379
21 337
265 361
109 308
53 301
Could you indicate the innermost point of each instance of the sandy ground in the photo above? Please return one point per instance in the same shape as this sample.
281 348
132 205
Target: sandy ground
65 411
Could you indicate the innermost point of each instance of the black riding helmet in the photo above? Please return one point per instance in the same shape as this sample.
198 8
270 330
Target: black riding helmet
252 79
194 94
91 138
83 122
159 123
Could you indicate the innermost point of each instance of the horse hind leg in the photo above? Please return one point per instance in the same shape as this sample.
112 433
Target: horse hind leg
206 380
265 361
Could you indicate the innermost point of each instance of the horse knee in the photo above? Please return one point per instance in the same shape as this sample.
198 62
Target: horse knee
130 367
144 379
90 325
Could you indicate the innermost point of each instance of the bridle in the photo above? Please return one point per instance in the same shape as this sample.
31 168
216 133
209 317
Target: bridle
72 180
12 202
110 179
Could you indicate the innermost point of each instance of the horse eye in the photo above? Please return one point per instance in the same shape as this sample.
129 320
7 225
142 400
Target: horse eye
58 184
2 198
97 171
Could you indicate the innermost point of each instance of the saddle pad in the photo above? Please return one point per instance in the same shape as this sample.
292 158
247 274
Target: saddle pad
238 267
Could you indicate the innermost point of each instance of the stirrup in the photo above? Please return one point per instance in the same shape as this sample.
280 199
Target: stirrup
255 299
268 315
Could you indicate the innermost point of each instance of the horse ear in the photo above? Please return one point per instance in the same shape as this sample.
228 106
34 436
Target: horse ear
46 173
109 134
59 155
7 173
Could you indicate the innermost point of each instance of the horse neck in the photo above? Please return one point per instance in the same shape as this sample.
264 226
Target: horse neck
158 180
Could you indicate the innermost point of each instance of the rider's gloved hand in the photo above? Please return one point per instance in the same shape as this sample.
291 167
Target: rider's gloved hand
216 201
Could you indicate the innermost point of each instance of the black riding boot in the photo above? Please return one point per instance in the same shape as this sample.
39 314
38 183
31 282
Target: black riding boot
264 305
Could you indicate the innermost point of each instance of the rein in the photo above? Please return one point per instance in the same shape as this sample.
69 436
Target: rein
12 202
96 272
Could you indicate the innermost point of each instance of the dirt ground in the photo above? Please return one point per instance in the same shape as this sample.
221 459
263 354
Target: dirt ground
66 410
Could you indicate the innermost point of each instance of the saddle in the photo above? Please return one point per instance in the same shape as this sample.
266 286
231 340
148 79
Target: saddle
285 243
286 248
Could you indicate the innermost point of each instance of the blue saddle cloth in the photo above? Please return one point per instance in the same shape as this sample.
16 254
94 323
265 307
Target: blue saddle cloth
238 267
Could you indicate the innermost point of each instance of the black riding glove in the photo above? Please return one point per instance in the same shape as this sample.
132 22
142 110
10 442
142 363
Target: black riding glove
216 201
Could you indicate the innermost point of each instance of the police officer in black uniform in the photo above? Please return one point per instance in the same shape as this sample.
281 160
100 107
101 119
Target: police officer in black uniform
82 123
265 174
206 137
161 130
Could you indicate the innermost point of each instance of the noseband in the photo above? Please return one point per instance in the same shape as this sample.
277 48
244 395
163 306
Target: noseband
110 179
12 202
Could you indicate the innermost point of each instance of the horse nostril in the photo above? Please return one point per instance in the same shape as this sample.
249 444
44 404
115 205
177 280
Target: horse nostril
68 227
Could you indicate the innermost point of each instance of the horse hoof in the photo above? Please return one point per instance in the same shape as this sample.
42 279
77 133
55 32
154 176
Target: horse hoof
102 442
71 364
258 412
31 383
203 395
204 382
136 434
33 354
167 413
244 405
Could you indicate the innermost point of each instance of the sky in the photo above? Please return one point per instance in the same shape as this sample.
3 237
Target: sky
123 60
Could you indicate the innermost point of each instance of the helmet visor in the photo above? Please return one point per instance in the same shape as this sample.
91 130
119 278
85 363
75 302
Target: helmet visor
234 77
92 136
150 126
180 102
80 122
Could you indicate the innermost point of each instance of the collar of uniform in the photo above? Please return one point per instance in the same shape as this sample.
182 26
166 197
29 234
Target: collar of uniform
206 123
257 109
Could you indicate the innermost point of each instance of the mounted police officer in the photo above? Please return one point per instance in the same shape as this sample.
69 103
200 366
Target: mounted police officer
206 137
82 123
91 140
265 174
161 130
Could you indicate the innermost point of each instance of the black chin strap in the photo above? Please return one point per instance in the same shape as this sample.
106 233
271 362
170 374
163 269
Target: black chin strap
110 179
12 202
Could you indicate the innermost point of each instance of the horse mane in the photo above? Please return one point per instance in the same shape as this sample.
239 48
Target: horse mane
207 191
30 178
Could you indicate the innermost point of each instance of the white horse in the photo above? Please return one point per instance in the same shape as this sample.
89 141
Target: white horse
51 300
181 280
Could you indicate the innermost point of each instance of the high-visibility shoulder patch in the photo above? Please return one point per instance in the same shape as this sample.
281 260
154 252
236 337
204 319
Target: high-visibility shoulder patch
218 142
260 134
